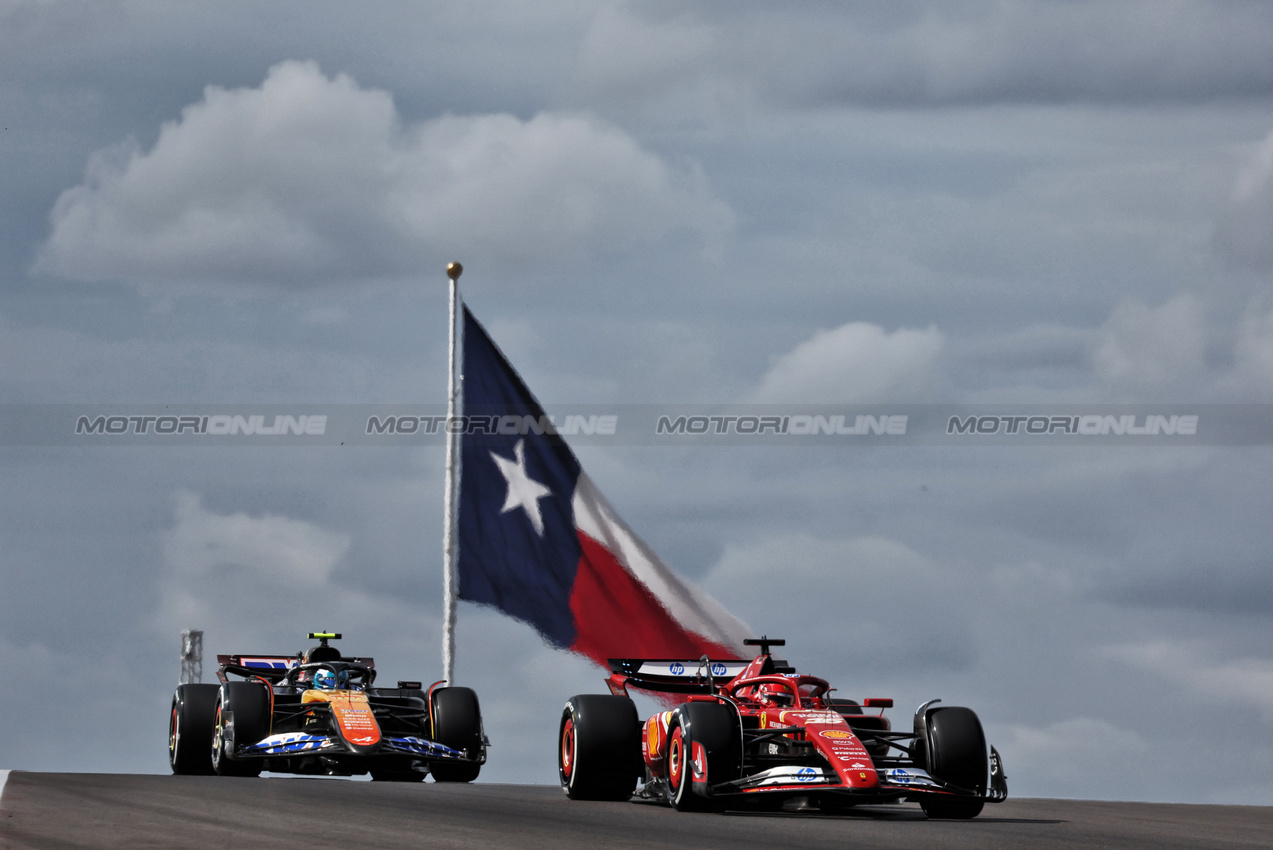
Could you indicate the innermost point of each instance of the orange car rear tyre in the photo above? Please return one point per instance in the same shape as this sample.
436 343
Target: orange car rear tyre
190 729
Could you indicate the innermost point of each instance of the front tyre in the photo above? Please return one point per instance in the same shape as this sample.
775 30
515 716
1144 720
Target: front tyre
704 742
599 747
956 755
457 723
242 717
190 729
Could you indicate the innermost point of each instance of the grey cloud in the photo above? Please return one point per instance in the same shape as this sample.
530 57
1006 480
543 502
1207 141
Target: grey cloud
919 54
901 607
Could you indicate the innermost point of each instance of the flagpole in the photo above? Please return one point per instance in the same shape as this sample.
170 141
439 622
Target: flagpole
451 513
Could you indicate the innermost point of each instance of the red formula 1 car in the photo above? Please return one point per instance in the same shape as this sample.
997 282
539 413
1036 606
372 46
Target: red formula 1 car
759 734
318 713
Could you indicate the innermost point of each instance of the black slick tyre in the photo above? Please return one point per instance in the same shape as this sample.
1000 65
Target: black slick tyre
599 747
956 754
714 728
457 723
194 707
242 717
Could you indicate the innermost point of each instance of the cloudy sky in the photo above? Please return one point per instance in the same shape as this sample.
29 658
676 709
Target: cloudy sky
1009 203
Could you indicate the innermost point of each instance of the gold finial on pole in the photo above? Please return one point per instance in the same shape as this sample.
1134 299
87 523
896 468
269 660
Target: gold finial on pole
454 270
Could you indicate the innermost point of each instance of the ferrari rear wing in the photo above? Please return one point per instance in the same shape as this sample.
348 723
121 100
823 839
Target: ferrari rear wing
674 676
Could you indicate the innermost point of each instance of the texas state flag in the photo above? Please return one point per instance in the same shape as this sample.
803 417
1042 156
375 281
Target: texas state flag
540 542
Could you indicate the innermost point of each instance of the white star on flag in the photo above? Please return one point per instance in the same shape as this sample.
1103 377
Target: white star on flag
523 492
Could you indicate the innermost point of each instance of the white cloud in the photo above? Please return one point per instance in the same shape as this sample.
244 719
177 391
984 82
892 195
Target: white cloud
1142 349
1245 680
309 179
856 362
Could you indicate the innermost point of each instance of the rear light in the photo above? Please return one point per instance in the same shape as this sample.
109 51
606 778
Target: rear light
878 702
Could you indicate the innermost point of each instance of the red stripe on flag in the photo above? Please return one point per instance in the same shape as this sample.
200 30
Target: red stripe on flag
616 616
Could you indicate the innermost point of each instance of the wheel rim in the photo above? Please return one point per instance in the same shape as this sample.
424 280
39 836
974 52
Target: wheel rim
216 738
172 733
676 759
568 748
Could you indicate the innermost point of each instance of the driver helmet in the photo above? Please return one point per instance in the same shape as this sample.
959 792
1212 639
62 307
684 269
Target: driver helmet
775 694
324 680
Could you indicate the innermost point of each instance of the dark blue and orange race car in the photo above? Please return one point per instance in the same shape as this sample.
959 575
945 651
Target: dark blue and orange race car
758 734
318 713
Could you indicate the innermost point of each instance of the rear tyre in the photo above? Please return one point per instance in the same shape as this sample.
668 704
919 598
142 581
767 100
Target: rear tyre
599 747
190 729
714 729
956 754
457 723
242 717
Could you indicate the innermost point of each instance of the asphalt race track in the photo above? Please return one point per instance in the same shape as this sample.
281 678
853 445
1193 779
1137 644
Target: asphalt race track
65 810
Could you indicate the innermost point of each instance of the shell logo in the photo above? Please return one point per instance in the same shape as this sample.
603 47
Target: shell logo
837 734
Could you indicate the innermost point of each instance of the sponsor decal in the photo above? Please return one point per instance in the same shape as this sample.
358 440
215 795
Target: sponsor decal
789 777
423 747
676 668
810 718
268 663
835 733
718 669
909 777
288 743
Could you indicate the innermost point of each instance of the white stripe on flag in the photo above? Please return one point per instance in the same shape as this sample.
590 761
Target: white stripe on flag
4 777
688 605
